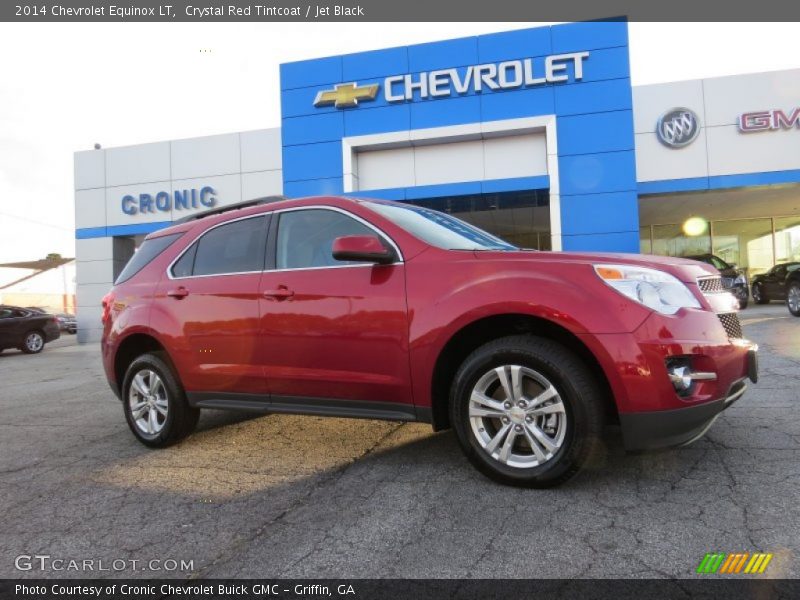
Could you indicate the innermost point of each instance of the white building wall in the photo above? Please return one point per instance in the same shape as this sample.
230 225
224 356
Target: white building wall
720 148
239 166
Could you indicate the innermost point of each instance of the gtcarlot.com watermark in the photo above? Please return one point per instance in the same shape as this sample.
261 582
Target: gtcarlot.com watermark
46 562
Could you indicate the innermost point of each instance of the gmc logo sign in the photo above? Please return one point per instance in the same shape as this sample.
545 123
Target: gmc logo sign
769 119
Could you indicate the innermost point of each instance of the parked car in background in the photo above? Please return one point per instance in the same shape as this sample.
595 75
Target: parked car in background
382 310
733 278
772 284
26 329
67 322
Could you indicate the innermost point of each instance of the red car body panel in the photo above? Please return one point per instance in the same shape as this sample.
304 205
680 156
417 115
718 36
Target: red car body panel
375 332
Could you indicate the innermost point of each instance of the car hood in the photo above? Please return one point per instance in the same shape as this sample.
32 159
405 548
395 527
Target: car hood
683 268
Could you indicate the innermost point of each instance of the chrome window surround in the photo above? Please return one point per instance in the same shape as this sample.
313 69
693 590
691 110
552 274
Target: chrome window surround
274 213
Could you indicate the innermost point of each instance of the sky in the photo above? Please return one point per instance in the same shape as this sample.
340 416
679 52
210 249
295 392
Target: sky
65 87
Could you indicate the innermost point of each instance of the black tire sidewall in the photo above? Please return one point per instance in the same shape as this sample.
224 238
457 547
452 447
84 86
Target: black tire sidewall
792 286
758 295
180 418
553 361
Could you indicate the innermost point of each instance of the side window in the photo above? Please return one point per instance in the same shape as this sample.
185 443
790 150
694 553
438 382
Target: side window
148 251
236 247
185 265
6 313
305 237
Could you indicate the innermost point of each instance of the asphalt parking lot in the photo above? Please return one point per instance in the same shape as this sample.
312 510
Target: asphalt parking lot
286 496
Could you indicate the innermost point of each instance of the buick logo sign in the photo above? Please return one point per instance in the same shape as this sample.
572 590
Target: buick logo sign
678 127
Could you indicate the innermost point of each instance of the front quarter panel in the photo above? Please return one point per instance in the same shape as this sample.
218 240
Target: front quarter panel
447 292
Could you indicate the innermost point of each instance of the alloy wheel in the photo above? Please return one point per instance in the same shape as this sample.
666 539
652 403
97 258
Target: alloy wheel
517 416
793 299
34 341
148 402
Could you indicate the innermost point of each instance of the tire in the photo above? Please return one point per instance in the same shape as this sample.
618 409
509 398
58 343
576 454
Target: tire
742 303
32 342
793 298
571 434
758 295
167 396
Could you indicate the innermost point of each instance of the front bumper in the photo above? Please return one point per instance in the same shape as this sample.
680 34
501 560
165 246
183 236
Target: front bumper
652 413
664 428
678 427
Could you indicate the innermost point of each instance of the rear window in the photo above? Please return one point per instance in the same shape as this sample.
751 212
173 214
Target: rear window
145 254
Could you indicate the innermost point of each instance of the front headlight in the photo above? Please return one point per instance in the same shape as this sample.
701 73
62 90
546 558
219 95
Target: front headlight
740 280
655 289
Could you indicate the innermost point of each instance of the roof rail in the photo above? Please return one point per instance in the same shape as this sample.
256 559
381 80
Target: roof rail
228 207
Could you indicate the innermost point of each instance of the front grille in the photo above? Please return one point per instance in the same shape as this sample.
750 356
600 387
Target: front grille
711 285
730 321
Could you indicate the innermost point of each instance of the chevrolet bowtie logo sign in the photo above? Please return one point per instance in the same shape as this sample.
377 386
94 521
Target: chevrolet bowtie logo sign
346 95
478 79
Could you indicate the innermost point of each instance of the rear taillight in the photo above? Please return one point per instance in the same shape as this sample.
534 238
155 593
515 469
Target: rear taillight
108 301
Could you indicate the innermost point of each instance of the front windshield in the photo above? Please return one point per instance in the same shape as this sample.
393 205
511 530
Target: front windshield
439 229
720 264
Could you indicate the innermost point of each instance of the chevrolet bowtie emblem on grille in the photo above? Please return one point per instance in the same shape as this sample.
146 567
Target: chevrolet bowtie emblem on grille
345 95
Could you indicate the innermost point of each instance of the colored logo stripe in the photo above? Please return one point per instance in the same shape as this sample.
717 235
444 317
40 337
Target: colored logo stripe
719 562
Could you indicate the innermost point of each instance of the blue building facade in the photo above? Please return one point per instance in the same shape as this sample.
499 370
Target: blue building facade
575 77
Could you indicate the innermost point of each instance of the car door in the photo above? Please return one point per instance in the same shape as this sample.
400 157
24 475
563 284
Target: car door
332 331
211 296
773 282
8 327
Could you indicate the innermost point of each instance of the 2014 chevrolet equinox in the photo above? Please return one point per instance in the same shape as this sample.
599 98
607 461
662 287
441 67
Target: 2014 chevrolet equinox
361 308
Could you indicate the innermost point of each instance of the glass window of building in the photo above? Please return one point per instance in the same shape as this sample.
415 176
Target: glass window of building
787 239
519 218
746 243
670 240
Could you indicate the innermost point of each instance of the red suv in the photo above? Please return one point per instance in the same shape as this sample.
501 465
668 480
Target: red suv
383 310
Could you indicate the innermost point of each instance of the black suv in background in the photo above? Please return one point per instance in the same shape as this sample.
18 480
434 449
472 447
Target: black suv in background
774 284
733 278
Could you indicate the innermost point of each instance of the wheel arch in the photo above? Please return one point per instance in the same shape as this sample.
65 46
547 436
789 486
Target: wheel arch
133 346
488 328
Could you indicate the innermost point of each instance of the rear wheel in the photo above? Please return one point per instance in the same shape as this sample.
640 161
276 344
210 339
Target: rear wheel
759 297
527 411
33 342
793 299
155 404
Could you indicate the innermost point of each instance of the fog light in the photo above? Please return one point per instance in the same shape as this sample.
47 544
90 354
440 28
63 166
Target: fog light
683 377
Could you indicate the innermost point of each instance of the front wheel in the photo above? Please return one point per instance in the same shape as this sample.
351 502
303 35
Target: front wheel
526 411
793 299
155 404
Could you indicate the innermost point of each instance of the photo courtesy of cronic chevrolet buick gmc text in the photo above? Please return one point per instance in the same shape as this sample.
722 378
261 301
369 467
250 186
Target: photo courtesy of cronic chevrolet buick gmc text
383 310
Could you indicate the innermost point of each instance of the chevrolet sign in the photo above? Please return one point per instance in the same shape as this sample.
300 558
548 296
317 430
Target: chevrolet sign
446 82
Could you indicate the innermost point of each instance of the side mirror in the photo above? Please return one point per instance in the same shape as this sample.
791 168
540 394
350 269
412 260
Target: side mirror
363 248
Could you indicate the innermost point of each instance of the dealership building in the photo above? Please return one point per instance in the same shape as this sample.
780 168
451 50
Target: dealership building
535 135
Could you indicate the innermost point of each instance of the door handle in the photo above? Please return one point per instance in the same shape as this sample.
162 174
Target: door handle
281 293
179 293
